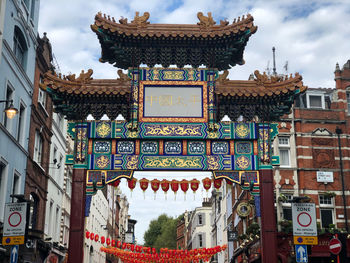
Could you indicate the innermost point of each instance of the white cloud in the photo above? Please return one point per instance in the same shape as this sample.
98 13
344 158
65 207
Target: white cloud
311 36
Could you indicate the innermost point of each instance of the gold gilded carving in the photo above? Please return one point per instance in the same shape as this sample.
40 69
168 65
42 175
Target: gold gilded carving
103 130
243 162
172 162
132 162
102 162
205 21
213 163
242 130
173 74
141 20
165 130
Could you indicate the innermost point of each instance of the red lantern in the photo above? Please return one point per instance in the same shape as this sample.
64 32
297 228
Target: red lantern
132 184
87 234
115 183
108 242
92 236
206 183
103 239
217 183
155 186
113 243
184 186
96 237
144 185
165 186
174 186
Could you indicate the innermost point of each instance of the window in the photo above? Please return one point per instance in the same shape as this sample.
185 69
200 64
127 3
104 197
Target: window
315 101
20 123
50 218
284 151
287 213
57 225
32 9
38 148
200 220
19 46
15 185
9 96
348 101
42 95
200 240
33 212
326 210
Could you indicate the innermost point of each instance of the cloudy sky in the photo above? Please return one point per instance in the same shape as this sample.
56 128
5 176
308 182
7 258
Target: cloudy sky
311 35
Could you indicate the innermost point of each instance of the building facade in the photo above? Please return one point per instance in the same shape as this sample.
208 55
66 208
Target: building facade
314 150
18 26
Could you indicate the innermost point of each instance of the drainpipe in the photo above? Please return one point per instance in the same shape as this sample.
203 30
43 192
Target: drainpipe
338 132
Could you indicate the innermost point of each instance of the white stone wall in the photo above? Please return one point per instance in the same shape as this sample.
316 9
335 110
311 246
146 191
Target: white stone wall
96 223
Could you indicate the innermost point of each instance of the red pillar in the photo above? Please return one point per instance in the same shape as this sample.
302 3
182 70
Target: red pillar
268 218
77 217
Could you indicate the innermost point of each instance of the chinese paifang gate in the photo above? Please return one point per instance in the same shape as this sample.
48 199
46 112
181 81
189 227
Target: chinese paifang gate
172 115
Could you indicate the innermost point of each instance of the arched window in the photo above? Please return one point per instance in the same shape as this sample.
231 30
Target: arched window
19 46
33 213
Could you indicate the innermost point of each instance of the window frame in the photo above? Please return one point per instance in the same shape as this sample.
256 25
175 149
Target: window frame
284 147
315 94
326 206
19 44
348 99
38 148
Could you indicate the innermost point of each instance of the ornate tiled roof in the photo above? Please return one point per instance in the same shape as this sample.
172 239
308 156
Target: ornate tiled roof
130 44
206 27
86 85
262 85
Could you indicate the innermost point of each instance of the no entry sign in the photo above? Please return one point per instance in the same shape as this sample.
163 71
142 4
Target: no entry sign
14 223
304 219
335 246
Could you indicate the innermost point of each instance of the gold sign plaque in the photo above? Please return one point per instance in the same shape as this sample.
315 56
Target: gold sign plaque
173 101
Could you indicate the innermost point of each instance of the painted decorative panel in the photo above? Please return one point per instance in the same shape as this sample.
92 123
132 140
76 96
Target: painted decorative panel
173 147
103 129
196 147
126 147
102 146
220 147
149 147
172 130
243 147
173 162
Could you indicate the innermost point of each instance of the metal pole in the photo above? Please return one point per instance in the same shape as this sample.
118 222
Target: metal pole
338 132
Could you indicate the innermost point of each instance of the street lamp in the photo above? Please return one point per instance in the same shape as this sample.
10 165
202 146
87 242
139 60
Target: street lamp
10 111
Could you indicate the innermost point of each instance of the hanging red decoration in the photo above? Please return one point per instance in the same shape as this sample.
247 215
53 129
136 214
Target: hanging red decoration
165 186
96 237
132 184
92 236
144 185
174 186
108 242
184 186
206 183
87 234
115 183
155 186
194 183
217 183
103 239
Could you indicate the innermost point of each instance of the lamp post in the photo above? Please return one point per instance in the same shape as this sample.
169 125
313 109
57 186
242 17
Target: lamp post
338 131
10 111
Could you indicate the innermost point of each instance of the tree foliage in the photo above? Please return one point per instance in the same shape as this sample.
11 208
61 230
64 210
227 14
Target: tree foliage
161 233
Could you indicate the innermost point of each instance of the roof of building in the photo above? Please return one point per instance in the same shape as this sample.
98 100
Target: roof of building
86 95
129 44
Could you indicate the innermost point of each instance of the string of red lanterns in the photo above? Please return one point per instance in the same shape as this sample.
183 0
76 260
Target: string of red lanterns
130 253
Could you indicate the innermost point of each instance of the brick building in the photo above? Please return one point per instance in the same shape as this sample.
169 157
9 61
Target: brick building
38 161
314 149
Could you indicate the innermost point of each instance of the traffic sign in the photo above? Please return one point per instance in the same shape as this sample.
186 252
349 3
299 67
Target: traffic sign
14 223
335 246
304 240
14 254
304 219
301 253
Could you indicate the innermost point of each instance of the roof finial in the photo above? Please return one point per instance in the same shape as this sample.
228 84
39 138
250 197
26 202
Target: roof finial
274 61
337 68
